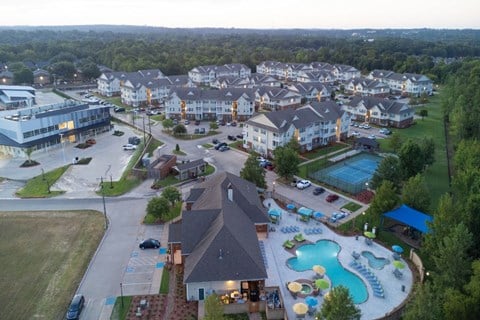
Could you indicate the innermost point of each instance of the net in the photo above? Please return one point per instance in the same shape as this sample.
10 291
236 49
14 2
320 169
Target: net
372 171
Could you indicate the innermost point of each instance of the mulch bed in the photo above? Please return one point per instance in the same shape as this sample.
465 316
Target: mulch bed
155 310
157 304
365 196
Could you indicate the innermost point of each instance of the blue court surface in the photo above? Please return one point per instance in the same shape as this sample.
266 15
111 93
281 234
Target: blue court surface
163 250
160 265
355 170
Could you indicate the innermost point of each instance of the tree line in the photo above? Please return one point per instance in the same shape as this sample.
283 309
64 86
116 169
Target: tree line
178 51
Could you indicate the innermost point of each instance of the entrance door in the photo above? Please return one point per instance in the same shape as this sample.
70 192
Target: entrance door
201 294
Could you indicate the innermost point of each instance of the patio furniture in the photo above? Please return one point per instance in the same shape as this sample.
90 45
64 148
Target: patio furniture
355 255
299 237
288 244
398 274
396 256
305 219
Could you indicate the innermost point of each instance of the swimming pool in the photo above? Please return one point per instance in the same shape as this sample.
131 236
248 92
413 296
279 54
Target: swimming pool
325 253
375 262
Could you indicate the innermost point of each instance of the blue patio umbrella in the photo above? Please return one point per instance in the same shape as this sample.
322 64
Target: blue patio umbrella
305 211
397 248
274 212
290 206
311 301
318 215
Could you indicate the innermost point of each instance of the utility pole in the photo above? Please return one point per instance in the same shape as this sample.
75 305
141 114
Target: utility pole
121 293
144 138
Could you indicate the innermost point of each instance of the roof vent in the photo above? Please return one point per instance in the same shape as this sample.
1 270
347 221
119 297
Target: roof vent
230 192
220 254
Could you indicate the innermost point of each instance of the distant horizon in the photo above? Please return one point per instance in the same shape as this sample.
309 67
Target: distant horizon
246 14
227 28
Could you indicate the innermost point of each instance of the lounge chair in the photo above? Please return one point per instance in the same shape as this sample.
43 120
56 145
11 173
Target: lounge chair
398 274
299 237
396 256
355 255
288 244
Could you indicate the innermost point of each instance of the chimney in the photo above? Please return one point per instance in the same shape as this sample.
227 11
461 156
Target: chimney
230 192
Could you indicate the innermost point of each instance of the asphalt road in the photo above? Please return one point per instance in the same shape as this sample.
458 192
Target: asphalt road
118 259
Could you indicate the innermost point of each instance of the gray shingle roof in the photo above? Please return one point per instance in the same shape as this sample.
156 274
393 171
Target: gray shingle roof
386 105
219 235
189 165
227 94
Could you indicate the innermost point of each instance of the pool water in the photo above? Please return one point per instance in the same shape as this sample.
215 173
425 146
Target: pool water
306 289
375 262
325 253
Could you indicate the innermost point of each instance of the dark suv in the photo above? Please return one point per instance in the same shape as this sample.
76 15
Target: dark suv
76 307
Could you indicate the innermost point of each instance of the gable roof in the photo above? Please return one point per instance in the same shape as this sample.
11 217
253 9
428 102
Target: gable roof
219 235
384 105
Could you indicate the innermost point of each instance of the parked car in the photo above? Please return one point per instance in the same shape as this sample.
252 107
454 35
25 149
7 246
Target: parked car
384 131
221 144
90 141
231 138
239 136
302 184
224 148
149 244
215 141
175 121
261 159
372 136
264 163
202 130
331 197
355 133
197 122
119 109
76 307
196 131
318 190
234 124
129 146
187 122
134 140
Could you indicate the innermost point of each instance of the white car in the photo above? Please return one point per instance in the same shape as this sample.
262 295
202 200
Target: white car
302 184
355 133
129 147
372 136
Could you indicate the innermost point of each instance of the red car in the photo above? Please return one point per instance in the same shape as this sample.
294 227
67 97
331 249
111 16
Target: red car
331 197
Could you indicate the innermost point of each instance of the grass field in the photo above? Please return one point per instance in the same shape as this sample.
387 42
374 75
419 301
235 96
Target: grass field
43 258
39 186
436 175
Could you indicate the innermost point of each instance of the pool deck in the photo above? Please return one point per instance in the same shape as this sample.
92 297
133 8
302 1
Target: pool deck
279 274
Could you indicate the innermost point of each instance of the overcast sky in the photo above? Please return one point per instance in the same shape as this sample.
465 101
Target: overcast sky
323 14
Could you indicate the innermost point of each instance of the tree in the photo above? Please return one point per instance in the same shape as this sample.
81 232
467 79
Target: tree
426 305
385 200
388 169
23 75
416 194
177 147
63 69
293 144
411 159
428 149
213 308
395 142
213 126
451 260
90 70
253 172
423 113
338 305
167 124
172 195
287 162
179 129
159 207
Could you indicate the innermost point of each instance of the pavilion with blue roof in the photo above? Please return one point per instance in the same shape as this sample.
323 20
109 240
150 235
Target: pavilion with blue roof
410 217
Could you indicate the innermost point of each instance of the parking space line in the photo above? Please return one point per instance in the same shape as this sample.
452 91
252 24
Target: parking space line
136 283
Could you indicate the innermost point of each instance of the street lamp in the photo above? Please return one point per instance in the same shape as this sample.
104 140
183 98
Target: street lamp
273 189
121 293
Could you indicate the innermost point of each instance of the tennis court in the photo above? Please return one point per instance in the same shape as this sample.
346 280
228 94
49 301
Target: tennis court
351 174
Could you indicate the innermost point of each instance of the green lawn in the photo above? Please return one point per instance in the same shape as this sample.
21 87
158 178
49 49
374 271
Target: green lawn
324 150
352 206
164 284
436 175
43 257
39 186
119 312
